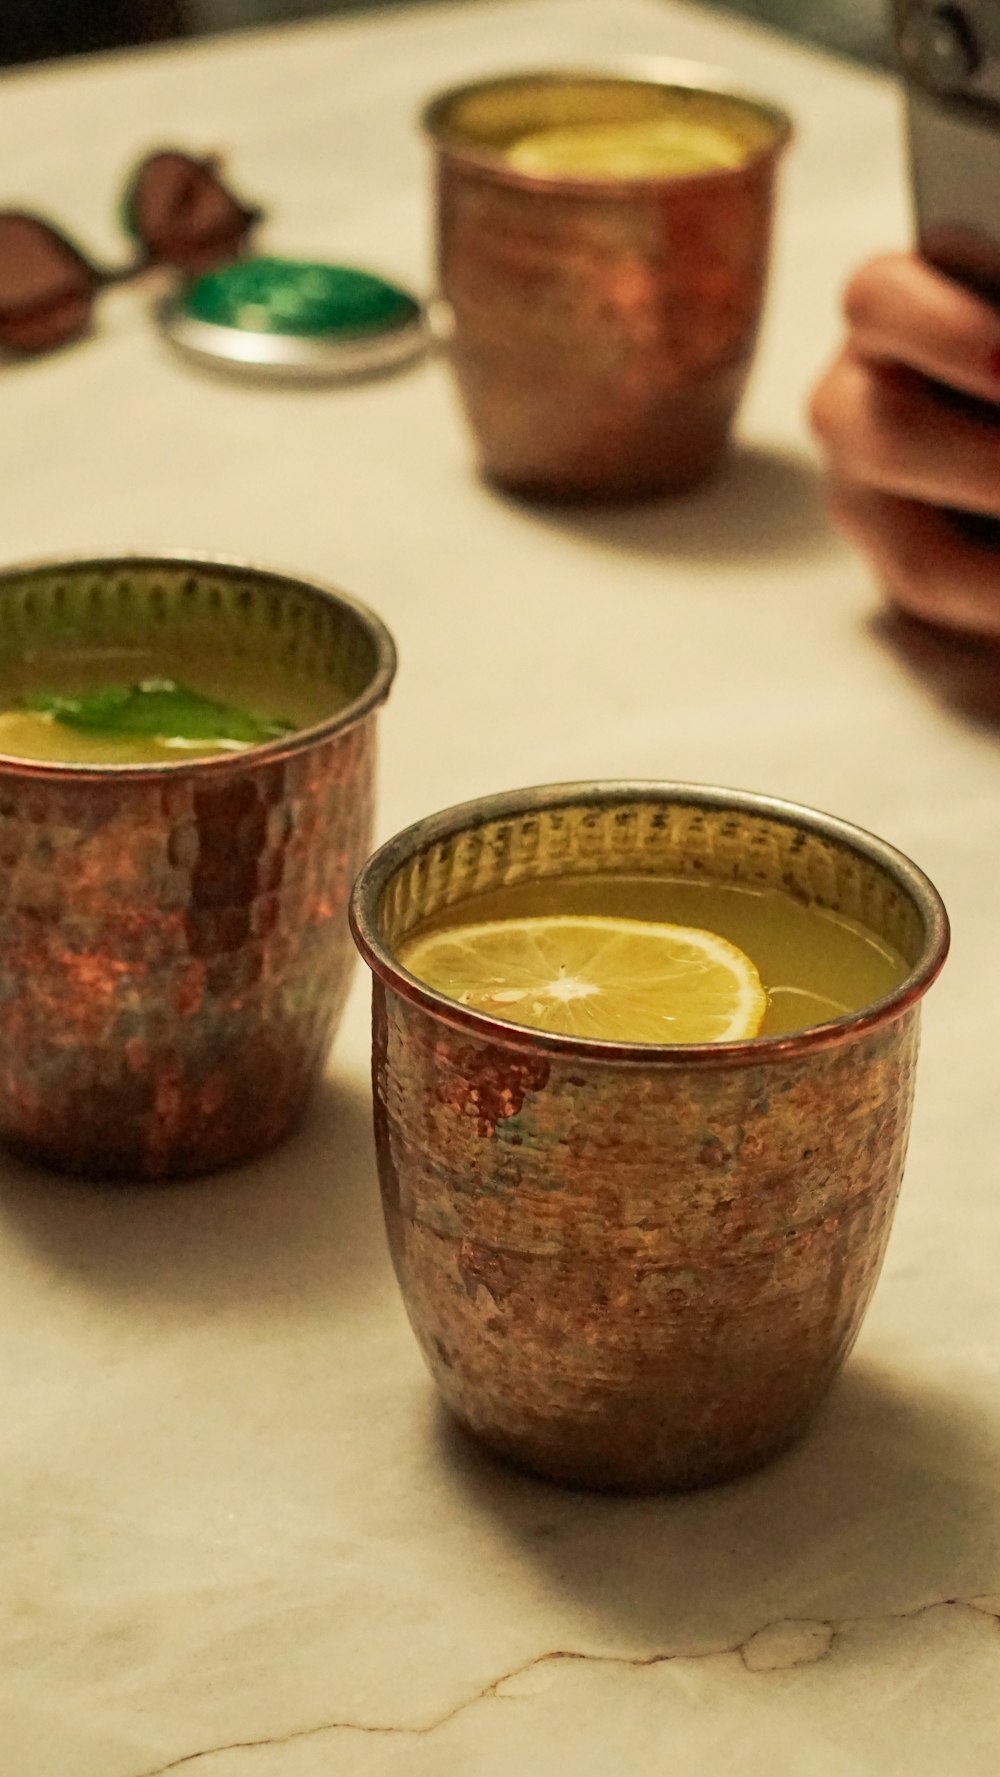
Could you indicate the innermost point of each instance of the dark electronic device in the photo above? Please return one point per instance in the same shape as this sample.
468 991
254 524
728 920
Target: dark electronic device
949 56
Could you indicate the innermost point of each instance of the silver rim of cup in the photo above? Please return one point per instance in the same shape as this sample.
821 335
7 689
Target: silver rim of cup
655 71
374 694
467 816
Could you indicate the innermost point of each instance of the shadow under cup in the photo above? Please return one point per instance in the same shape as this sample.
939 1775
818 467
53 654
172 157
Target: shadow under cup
174 948
638 1266
603 327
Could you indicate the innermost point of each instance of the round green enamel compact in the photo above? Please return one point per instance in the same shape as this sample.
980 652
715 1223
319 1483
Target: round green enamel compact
294 319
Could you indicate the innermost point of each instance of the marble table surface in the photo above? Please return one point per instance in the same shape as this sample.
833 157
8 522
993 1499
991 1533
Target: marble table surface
239 1539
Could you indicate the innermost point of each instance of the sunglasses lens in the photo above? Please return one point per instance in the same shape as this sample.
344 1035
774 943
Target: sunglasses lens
46 288
183 215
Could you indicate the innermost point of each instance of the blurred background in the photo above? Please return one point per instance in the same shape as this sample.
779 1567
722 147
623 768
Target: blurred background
33 30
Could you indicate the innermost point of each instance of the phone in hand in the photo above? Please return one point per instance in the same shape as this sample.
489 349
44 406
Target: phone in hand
949 57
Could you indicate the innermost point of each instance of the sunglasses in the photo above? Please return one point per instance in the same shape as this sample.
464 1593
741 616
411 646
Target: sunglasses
176 209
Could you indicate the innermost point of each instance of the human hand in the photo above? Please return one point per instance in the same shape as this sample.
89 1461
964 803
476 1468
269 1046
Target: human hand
902 457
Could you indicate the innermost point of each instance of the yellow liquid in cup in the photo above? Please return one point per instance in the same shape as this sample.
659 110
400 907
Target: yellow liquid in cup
814 965
261 689
664 147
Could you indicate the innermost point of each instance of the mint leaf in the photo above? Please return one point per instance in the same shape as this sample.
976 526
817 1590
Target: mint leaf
159 708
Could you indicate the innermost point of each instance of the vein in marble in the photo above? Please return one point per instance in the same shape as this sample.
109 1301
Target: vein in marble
778 1647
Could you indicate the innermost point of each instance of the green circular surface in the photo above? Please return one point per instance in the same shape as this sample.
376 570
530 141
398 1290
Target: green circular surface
298 296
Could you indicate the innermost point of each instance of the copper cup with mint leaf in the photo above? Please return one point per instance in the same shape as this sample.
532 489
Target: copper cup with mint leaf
186 780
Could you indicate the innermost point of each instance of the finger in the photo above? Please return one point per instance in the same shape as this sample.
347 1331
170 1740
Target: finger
963 670
901 310
923 564
885 427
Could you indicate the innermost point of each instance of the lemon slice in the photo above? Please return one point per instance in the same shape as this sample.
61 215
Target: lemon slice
627 980
661 147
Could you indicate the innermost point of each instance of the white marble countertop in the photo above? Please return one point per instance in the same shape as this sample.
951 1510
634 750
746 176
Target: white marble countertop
238 1539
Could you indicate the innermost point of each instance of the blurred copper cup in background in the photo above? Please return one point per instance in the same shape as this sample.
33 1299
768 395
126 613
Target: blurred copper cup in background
601 328
638 1266
174 948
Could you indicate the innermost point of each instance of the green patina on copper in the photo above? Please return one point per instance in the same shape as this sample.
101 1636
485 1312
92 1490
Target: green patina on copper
300 297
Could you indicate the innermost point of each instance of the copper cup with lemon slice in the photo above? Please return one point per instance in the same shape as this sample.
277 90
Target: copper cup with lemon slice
643 1064
603 243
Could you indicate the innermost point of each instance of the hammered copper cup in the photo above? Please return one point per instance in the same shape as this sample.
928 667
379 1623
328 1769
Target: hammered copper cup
174 949
602 329
633 1266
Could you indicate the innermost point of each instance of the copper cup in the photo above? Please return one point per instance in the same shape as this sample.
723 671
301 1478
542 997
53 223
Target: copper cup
602 328
174 950
632 1266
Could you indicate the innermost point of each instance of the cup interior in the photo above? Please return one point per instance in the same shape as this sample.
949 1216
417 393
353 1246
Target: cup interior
682 832
333 657
486 119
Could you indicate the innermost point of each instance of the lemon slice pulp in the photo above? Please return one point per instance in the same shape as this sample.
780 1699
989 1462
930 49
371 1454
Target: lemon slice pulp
661 147
625 980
